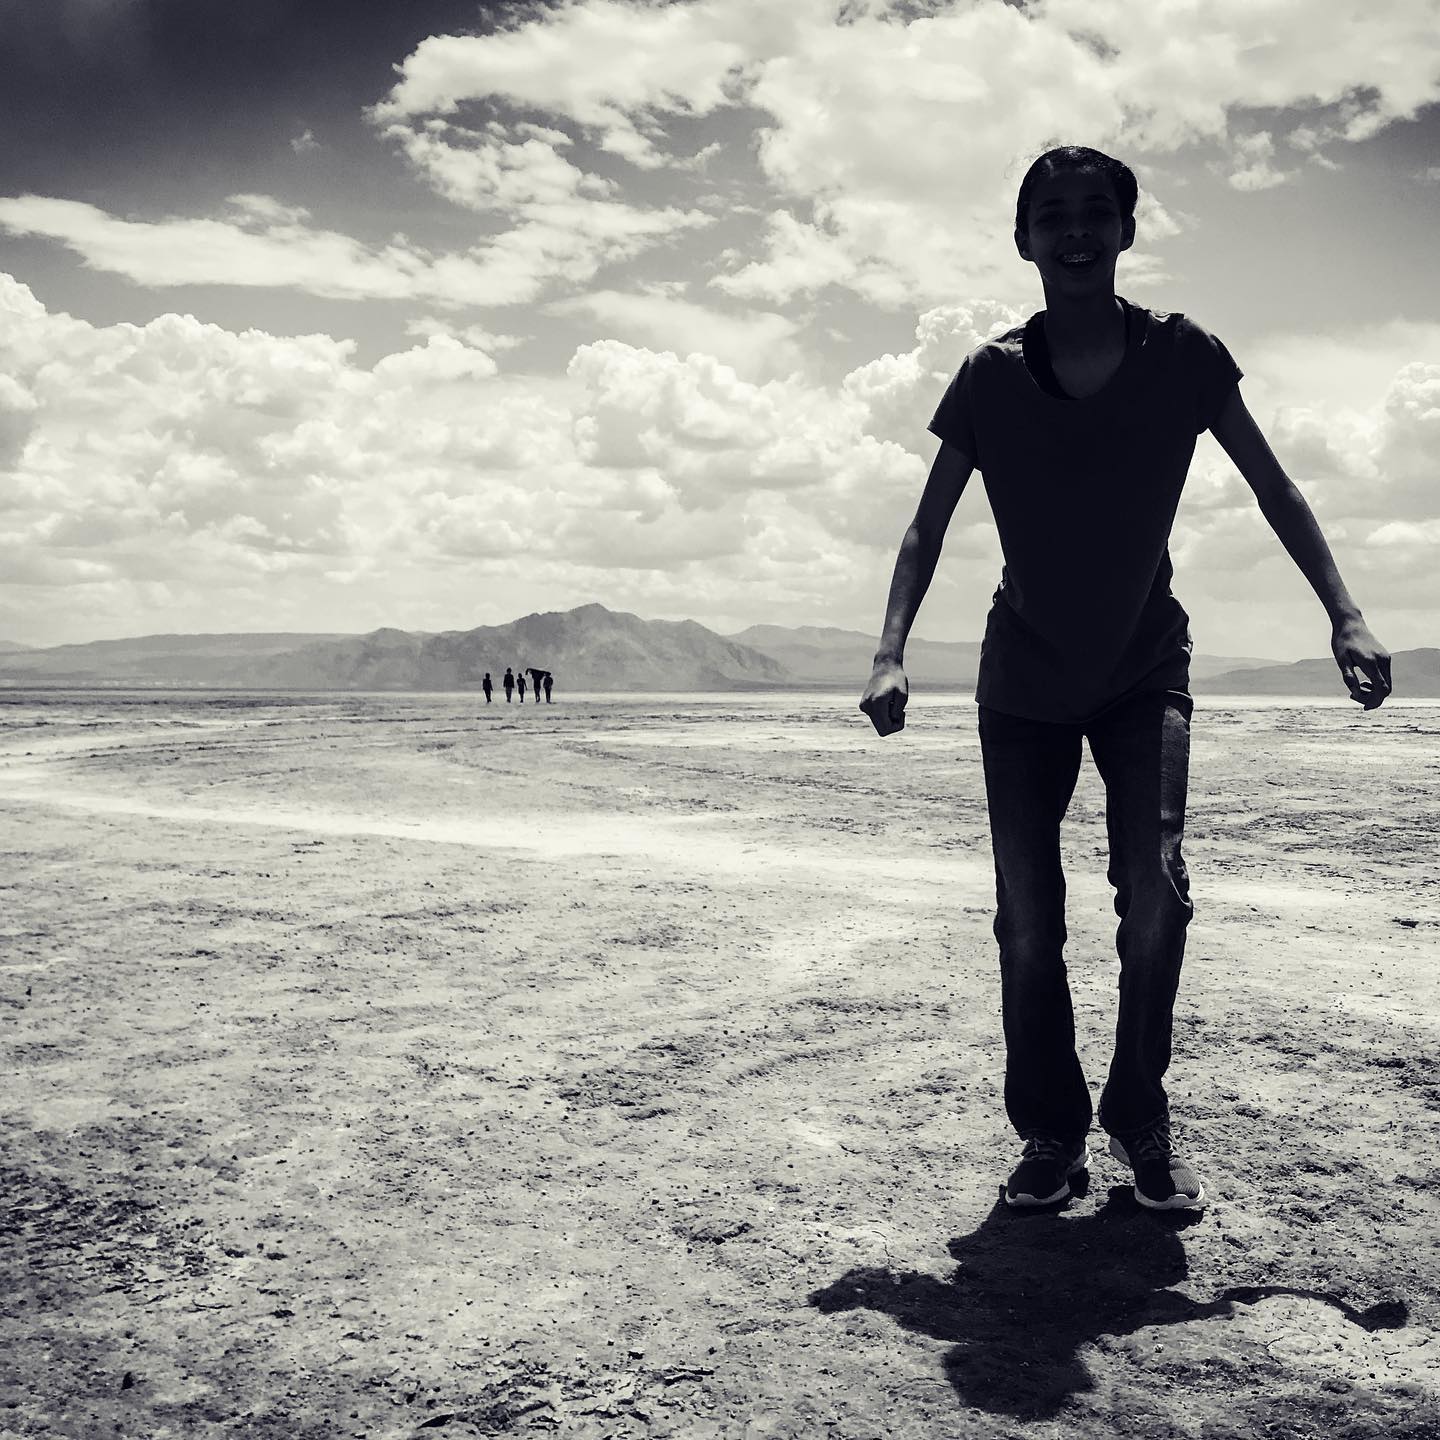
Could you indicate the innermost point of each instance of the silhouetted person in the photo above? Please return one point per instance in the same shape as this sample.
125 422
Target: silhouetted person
1083 421
537 676
486 686
520 686
509 684
547 687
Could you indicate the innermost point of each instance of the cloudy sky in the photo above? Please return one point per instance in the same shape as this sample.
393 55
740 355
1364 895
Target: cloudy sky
332 314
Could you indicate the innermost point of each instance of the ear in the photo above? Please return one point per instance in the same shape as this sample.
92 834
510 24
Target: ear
1022 244
1127 232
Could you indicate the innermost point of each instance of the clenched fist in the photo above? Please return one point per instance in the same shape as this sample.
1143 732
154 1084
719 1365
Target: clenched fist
885 696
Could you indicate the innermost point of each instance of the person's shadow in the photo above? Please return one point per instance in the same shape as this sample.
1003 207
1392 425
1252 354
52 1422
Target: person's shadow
1031 1288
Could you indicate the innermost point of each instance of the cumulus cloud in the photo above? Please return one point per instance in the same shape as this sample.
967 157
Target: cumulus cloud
757 342
177 470
800 259
611 67
864 105
475 336
900 392
713 437
1367 473
442 358
890 185
17 417
185 452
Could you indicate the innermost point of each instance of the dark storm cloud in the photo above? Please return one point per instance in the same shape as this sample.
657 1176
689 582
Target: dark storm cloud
97 91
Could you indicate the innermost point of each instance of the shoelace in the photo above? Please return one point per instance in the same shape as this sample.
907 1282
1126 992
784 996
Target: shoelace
1151 1145
1043 1147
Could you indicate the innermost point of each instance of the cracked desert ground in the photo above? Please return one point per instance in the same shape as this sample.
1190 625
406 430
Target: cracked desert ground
629 1066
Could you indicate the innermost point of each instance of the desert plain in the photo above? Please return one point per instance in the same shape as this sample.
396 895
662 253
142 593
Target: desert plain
395 1065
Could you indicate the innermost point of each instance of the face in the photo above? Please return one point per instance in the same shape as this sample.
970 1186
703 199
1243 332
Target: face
1074 213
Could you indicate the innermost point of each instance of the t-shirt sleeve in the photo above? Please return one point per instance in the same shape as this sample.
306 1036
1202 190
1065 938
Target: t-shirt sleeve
954 419
1215 373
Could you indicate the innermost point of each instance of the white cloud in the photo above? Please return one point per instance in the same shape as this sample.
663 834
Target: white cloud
220 252
1368 474
17 418
488 170
267 210
269 245
707 431
178 476
177 470
227 452
790 449
1337 369
1403 533
900 392
475 336
800 259
758 343
867 120
304 143
1252 155
442 358
890 143
607 66
613 539
1182 68
564 224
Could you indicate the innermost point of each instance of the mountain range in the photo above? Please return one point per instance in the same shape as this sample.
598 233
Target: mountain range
591 648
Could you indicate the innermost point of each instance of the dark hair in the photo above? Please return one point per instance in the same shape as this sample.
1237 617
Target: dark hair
1078 157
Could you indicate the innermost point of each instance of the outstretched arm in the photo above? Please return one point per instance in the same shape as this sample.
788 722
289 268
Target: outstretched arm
1282 504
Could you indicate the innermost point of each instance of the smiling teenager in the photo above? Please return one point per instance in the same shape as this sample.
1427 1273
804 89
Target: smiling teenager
1083 423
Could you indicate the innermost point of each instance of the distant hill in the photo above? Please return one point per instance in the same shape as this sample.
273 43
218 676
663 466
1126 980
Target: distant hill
148 659
13 647
1415 673
590 648
823 655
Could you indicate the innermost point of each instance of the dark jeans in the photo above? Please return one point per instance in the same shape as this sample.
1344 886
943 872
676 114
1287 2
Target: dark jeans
1141 747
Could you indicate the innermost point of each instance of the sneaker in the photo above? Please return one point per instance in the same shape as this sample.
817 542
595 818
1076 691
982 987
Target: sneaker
1163 1180
1043 1175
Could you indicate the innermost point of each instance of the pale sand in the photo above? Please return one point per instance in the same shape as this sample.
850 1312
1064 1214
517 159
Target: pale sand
631 1068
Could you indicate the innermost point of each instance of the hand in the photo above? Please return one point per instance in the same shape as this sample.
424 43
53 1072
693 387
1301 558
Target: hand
1355 649
885 696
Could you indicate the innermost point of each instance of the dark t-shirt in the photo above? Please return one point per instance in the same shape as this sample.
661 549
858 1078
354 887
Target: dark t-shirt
1084 493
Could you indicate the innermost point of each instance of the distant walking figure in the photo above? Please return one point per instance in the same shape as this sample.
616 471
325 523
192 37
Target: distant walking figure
1083 422
486 686
509 683
520 686
537 678
547 687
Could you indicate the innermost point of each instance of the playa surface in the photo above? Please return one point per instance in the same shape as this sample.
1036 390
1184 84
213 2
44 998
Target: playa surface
389 1066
